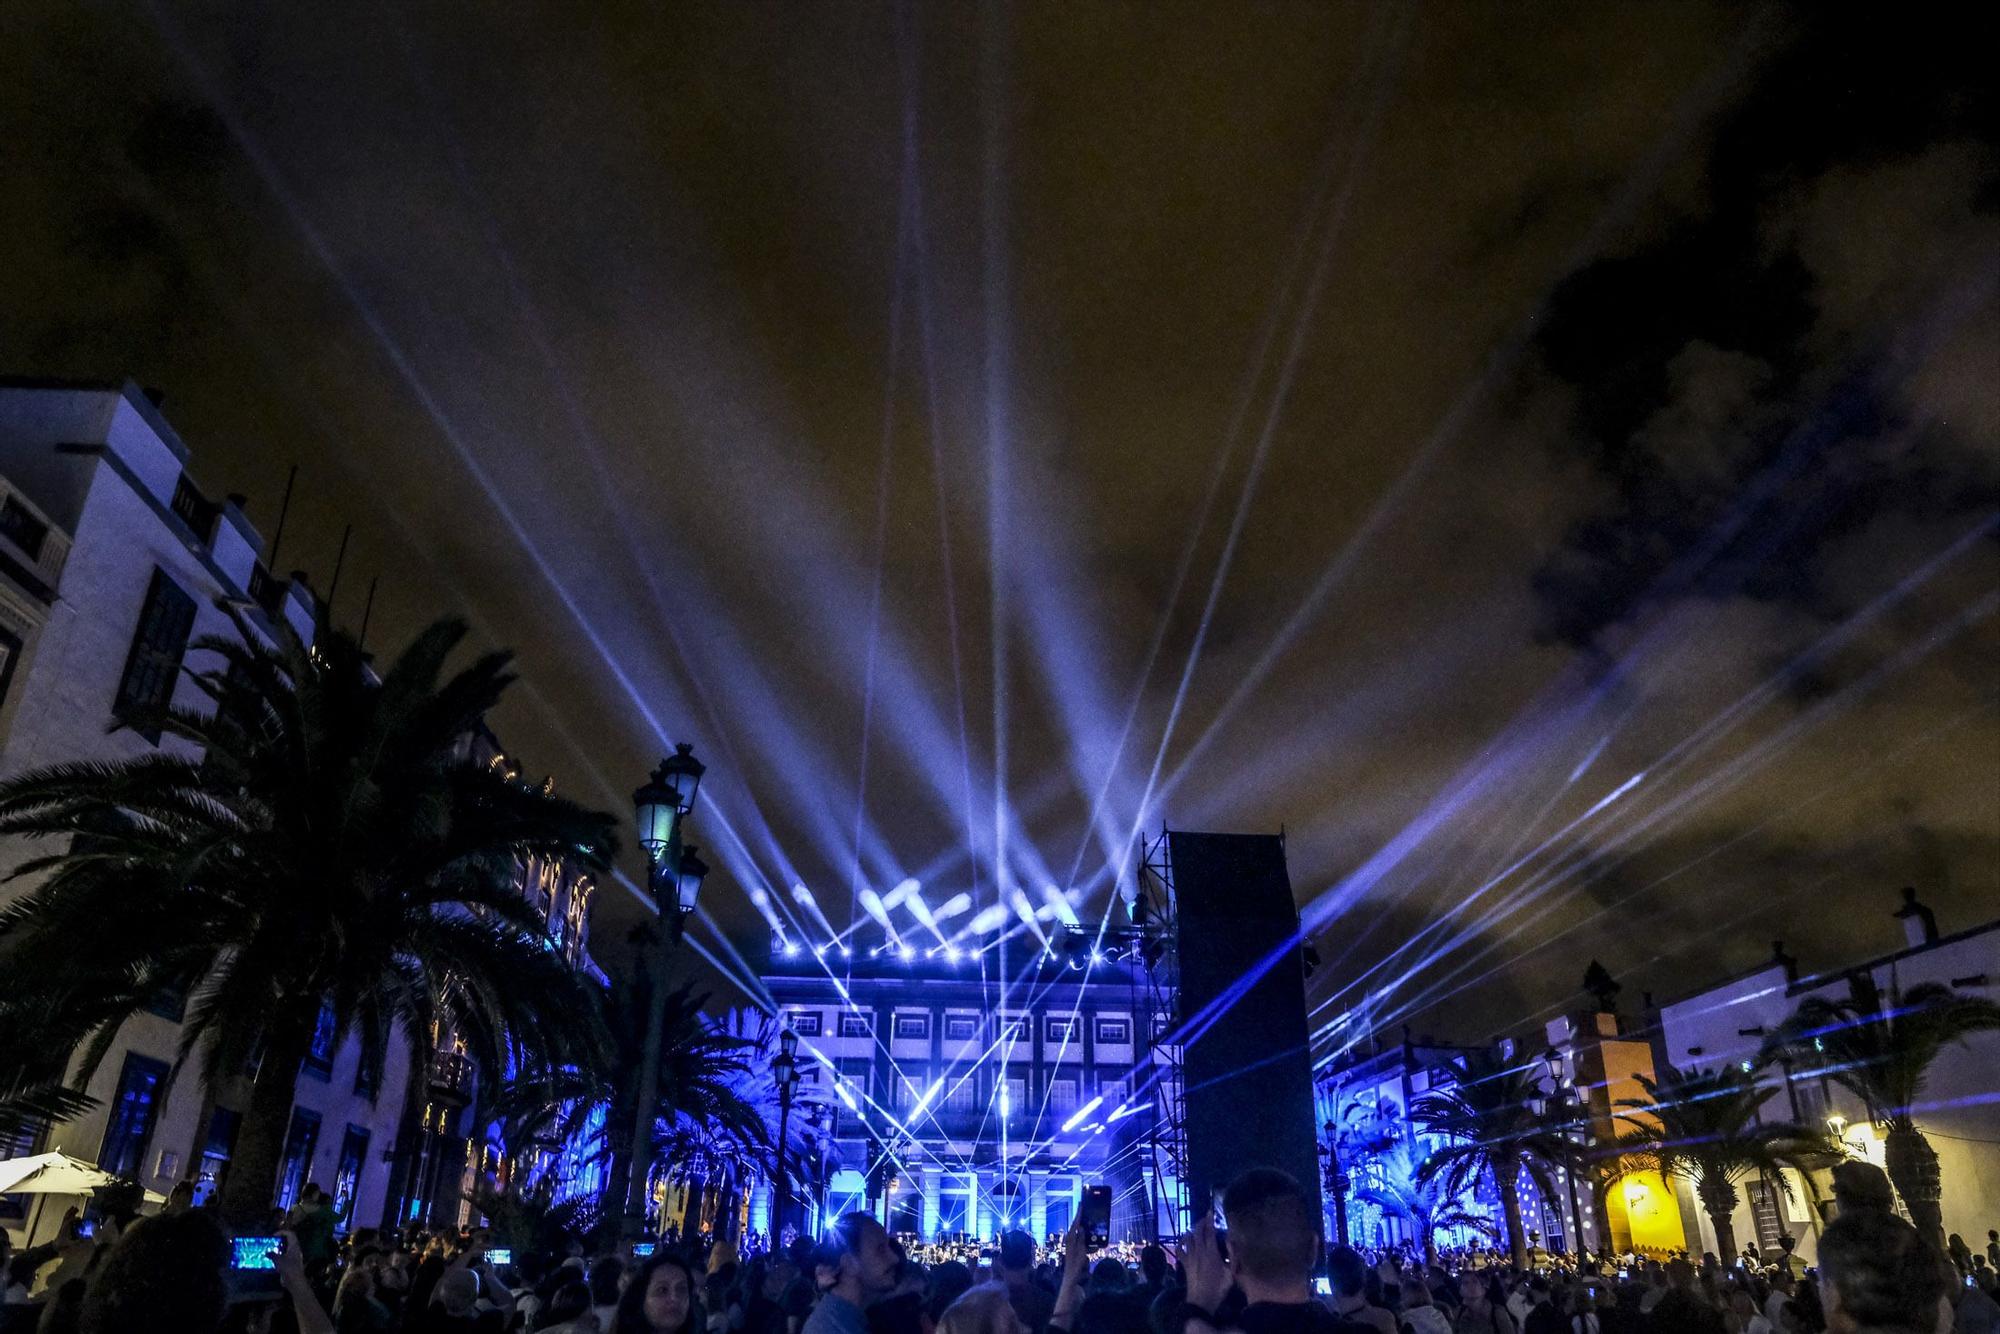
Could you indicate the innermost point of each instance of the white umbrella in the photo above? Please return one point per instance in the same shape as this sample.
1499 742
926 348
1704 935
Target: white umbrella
50 1174
55 1173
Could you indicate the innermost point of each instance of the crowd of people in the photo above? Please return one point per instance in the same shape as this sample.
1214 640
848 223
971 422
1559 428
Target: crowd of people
1267 1272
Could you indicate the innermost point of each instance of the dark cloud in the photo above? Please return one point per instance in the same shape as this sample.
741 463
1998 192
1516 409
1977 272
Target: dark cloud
1647 350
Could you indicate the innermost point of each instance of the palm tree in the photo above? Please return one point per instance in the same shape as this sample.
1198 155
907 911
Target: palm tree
1493 1128
1393 1181
1880 1048
1702 1126
708 1118
317 838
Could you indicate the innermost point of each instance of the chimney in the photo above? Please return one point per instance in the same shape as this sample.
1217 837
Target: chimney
1784 961
1919 922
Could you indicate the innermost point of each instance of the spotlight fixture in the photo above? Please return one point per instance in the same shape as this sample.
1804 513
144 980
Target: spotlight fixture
846 953
908 953
951 952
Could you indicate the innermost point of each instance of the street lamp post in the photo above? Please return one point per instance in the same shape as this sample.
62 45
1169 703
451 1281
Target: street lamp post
674 875
1560 1098
785 1071
1336 1181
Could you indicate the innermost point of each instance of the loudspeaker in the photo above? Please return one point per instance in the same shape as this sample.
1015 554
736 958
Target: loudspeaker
1248 1073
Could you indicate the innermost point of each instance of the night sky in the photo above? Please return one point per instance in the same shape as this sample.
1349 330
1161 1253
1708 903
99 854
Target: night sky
1438 415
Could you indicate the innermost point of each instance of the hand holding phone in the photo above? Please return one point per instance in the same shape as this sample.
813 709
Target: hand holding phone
1096 1216
258 1252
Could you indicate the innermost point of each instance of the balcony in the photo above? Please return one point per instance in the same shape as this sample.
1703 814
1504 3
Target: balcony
196 510
451 1076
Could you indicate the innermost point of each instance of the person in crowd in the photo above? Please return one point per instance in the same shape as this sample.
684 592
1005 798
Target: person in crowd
659 1299
1973 1310
1683 1308
1274 1245
855 1266
356 1310
607 1283
169 1275
567 1309
1783 1285
1876 1276
311 1221
1581 1311
1541 1315
986 1308
1420 1314
62 1313
949 1281
1350 1275
456 1306
1015 1268
1480 1309
1748 1319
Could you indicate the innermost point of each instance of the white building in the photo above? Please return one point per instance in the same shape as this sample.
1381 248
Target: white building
111 562
1960 1114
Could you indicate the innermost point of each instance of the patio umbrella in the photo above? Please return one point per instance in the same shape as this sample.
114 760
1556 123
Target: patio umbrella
50 1174
55 1173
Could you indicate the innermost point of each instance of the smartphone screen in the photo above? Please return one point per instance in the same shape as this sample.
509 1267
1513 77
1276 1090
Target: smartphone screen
642 1249
254 1252
499 1255
1323 1286
1097 1215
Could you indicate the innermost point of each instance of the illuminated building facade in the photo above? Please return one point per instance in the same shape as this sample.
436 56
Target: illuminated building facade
112 562
1727 1023
1367 1132
951 1107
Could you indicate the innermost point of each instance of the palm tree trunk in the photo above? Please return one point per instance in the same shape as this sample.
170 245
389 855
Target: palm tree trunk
260 1143
1510 1209
1718 1200
1912 1165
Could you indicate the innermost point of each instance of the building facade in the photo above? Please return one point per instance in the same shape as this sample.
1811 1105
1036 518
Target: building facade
951 1107
1367 1133
1960 1112
112 563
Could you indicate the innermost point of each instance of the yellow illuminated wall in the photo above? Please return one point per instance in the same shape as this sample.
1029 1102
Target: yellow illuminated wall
1642 1206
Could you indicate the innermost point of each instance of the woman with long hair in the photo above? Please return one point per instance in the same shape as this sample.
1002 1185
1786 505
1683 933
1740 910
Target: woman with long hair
659 1299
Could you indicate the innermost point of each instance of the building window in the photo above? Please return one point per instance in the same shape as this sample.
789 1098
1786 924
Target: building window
169 1002
368 1074
1017 1098
22 528
319 1057
909 1087
961 1027
1013 1030
134 1112
216 1149
1161 1025
301 1138
347 1176
961 1093
1062 1098
808 1072
806 1023
158 646
914 1027
1059 1028
1114 1032
1109 1079
10 654
857 1025
1811 1092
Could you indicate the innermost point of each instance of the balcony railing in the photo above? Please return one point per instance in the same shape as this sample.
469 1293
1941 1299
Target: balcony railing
451 1074
196 510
